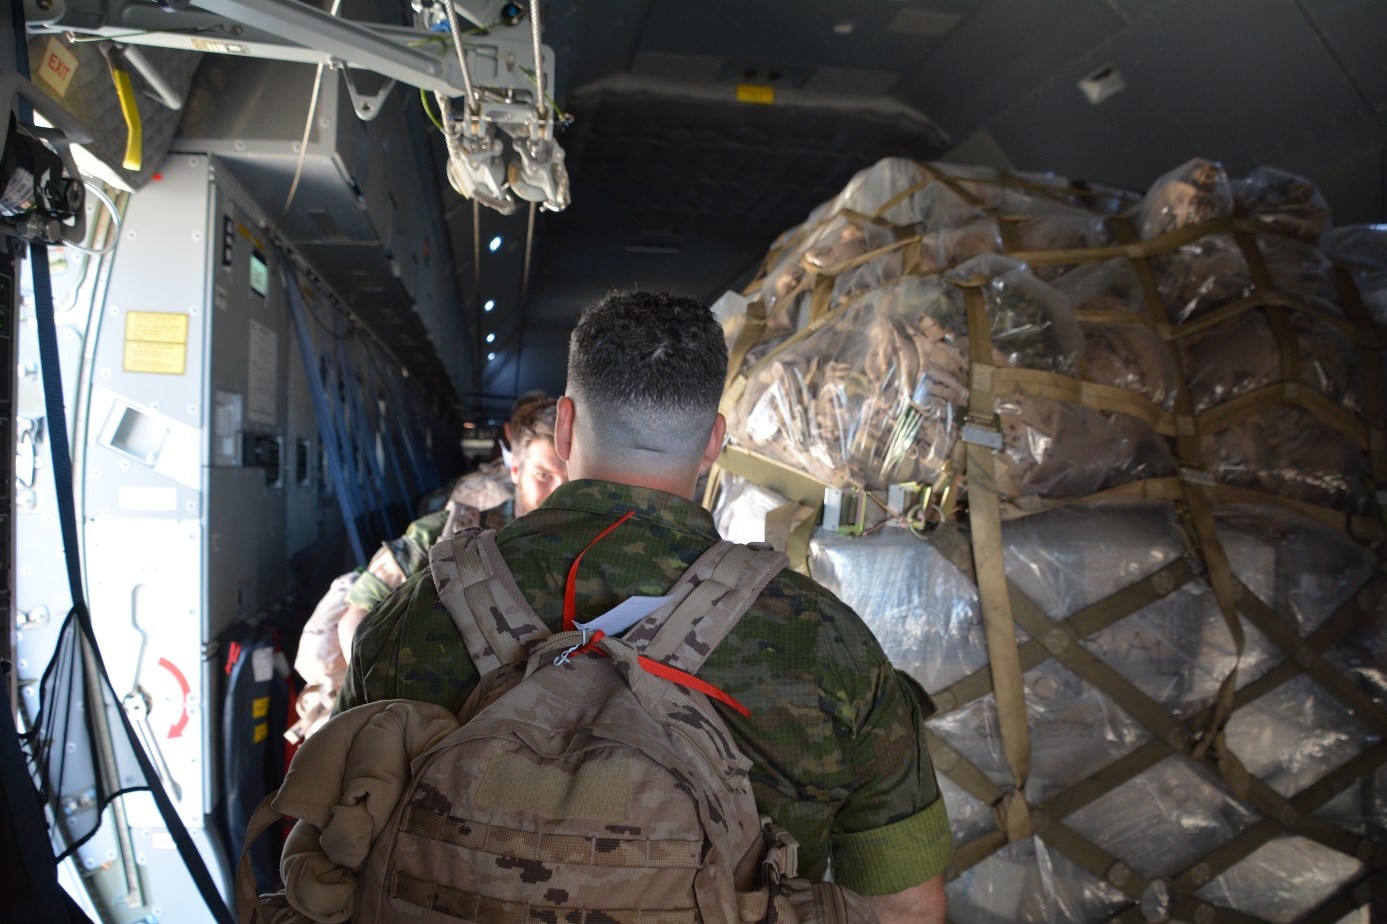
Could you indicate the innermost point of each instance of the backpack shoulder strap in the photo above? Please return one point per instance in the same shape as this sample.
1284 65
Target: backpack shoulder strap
486 604
726 581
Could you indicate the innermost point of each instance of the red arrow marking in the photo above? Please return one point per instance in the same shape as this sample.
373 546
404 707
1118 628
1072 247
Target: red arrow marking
176 730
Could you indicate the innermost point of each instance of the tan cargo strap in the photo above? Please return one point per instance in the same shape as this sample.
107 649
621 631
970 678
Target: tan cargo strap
1283 633
1280 394
629 853
1064 645
750 334
1364 529
954 185
984 514
1197 487
479 909
1039 383
790 526
486 604
1292 815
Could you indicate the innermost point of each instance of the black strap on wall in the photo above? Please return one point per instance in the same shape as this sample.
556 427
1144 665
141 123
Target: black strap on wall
62 482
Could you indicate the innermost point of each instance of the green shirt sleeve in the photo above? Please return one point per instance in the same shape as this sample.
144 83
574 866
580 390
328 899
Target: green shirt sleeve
409 648
368 591
892 832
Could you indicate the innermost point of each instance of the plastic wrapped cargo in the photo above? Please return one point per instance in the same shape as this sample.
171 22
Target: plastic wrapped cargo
1243 355
1193 193
1142 655
1284 201
1176 650
1291 453
741 514
873 396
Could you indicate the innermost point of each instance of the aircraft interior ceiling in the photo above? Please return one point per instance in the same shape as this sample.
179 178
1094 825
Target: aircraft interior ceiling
677 185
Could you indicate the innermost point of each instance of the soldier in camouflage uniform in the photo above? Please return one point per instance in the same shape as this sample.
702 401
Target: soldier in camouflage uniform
835 735
490 497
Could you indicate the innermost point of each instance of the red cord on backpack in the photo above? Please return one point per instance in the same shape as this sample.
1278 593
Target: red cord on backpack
570 589
659 669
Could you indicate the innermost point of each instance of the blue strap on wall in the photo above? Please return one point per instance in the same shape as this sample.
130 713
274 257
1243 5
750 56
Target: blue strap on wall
389 433
361 431
327 436
425 475
336 386
62 478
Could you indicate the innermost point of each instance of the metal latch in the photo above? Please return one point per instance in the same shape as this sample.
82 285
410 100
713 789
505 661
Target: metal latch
981 434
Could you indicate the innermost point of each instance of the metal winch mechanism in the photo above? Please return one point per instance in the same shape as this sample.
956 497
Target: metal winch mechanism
482 60
477 131
41 191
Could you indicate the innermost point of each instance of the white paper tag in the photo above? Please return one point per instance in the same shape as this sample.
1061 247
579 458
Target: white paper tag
624 615
262 664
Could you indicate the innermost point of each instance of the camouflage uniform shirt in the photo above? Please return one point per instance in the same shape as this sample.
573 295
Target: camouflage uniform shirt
835 735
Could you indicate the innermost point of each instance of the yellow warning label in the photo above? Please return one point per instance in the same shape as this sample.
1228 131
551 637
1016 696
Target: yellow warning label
156 341
164 358
755 93
261 732
259 708
59 64
159 326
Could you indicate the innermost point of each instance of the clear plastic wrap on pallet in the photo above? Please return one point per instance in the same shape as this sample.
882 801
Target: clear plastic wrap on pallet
838 240
1290 452
1030 883
742 508
874 395
1176 650
1108 286
1201 277
1288 203
1162 821
1282 880
1361 247
1242 355
949 246
831 404
1132 357
1195 192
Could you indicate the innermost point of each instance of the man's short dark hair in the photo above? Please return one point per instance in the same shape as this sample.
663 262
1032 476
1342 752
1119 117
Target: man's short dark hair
648 371
533 420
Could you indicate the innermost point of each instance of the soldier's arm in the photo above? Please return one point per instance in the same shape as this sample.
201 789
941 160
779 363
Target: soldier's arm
891 837
368 642
922 904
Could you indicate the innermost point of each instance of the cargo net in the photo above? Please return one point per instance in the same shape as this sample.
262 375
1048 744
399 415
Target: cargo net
1099 471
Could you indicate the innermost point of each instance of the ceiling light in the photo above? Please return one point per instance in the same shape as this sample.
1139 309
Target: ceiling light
844 28
495 244
490 338
490 304
1101 84
490 356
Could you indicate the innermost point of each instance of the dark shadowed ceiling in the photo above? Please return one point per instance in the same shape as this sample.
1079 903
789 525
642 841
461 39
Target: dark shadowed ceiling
678 186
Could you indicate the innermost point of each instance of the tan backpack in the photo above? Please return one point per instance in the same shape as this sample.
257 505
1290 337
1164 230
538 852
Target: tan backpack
589 789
